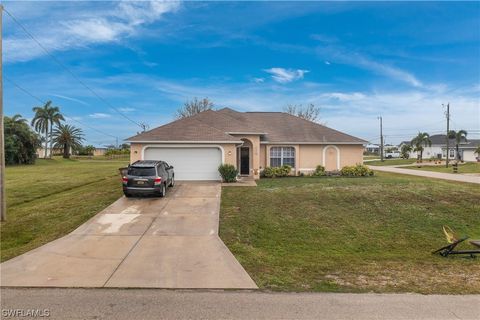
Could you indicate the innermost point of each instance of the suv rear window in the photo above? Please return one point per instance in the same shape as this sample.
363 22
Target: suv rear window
142 172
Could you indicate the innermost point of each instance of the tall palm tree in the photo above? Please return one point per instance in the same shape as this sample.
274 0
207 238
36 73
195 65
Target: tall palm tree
421 140
43 121
17 120
459 136
67 137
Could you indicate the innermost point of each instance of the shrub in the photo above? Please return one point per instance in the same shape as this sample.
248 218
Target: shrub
228 172
359 170
282 171
319 171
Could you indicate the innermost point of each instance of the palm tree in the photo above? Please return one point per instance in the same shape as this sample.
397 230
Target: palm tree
459 136
405 151
422 139
44 119
66 137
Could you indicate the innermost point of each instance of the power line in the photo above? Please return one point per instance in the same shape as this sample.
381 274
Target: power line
68 70
43 102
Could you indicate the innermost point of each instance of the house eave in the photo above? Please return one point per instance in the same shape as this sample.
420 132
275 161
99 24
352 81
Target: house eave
181 142
312 142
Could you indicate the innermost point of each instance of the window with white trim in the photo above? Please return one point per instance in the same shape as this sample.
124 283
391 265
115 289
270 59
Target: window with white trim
281 156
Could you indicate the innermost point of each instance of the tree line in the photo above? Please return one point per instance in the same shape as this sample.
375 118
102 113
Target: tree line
49 132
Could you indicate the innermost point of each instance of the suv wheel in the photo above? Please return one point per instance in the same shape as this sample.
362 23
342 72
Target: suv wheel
163 191
128 195
172 183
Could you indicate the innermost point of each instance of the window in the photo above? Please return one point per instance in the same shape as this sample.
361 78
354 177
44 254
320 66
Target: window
142 171
280 156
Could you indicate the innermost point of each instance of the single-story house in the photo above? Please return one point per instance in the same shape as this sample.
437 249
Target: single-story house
372 148
466 149
250 141
438 148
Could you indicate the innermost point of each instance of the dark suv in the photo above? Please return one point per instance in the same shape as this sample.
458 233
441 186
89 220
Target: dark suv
148 177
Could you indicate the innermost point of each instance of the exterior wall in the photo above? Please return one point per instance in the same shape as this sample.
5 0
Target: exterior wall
350 155
297 154
429 152
263 156
230 152
469 155
310 157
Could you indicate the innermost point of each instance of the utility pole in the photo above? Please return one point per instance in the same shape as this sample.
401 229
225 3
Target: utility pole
3 200
447 114
381 139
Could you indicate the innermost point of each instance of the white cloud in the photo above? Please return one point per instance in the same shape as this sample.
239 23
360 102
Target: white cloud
76 28
99 115
70 99
354 58
259 80
327 63
282 75
126 109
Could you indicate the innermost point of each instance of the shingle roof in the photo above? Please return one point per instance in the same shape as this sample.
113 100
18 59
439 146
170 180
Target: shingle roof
186 129
222 125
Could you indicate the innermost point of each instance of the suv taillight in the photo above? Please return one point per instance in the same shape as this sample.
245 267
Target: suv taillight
124 179
158 180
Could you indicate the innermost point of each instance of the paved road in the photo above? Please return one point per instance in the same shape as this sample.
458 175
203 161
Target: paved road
429 174
173 304
151 242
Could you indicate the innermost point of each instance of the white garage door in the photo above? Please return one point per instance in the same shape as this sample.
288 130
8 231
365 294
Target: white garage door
189 163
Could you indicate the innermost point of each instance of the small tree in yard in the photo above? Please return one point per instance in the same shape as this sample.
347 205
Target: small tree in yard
422 139
66 137
405 151
194 107
477 151
459 136
309 112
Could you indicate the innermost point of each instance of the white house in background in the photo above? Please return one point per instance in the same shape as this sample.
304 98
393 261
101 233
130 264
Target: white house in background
438 149
467 150
372 148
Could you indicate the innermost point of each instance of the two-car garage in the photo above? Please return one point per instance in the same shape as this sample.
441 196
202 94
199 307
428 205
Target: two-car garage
189 162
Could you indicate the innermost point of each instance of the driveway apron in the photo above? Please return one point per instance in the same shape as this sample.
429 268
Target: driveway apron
169 242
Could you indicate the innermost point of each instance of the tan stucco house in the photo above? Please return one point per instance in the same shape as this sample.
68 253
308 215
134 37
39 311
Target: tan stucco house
250 141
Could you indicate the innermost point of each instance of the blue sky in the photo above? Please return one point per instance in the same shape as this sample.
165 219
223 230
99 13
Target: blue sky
354 60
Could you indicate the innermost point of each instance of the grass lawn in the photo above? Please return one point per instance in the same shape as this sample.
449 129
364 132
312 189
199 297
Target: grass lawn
468 167
391 162
352 234
370 157
51 198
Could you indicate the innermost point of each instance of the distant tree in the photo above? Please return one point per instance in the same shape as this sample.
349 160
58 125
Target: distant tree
459 136
21 142
477 151
124 146
405 151
309 112
86 150
421 140
66 137
194 107
44 119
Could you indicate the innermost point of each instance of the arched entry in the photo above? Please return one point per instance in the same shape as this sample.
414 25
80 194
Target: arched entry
331 158
244 161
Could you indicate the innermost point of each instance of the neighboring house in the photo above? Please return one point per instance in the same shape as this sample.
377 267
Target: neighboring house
99 151
372 148
250 141
41 152
437 150
466 150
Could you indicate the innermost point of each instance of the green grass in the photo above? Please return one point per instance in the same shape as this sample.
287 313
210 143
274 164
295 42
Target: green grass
371 157
468 167
53 197
391 162
352 234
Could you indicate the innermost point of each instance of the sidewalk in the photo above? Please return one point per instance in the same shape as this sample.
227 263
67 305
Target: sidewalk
428 174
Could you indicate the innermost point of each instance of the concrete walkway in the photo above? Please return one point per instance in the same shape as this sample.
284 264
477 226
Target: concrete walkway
148 242
179 304
429 174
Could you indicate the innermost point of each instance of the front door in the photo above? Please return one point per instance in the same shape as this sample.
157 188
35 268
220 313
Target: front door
244 161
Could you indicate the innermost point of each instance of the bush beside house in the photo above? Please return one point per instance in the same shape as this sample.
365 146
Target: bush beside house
228 172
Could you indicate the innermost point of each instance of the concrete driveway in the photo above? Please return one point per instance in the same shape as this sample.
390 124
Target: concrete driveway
167 242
